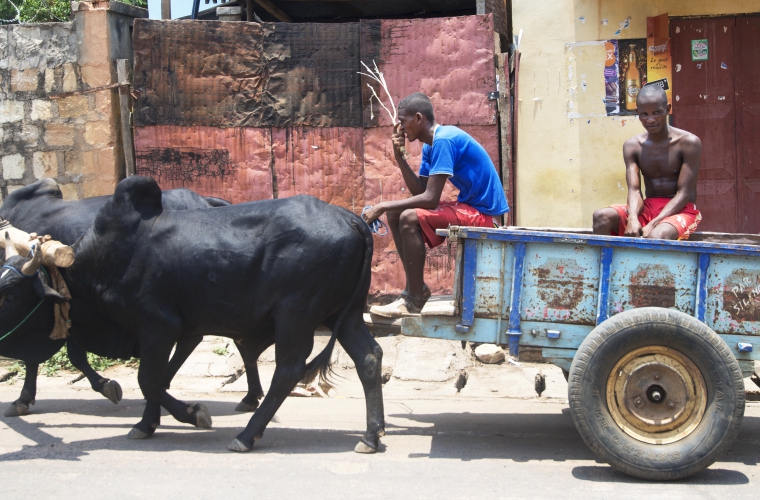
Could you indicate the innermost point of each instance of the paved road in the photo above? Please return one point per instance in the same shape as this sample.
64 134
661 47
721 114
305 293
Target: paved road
73 446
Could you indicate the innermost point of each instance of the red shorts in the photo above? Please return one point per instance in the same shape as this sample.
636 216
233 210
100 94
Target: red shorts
450 213
685 222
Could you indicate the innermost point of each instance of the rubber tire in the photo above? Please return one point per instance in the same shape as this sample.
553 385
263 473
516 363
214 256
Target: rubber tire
636 328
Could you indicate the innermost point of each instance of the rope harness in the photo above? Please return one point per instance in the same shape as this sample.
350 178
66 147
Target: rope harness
376 225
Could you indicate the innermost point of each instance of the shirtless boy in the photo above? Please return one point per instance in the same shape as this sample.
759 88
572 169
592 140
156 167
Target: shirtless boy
668 159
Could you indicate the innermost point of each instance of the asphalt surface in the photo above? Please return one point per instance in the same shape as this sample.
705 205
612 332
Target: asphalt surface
73 445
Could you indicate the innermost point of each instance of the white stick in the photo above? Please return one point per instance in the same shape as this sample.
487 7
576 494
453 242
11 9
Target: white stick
377 76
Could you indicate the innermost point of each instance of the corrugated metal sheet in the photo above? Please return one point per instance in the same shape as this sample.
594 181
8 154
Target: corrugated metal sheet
449 59
232 163
323 162
247 74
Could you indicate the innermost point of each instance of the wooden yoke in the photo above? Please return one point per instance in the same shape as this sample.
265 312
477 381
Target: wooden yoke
54 253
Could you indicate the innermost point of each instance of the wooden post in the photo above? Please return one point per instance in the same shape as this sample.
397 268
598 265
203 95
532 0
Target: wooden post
122 71
505 133
166 9
249 10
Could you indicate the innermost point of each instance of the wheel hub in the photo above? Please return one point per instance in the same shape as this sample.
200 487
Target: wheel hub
656 395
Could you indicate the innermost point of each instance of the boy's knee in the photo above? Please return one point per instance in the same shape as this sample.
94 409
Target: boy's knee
600 216
408 218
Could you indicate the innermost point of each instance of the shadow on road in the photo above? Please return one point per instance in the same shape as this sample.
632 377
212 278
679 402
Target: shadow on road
528 437
606 474
519 437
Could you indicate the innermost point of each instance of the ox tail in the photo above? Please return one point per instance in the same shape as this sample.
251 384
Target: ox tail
322 363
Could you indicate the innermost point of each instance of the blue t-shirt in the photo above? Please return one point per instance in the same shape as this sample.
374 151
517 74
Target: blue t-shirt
470 169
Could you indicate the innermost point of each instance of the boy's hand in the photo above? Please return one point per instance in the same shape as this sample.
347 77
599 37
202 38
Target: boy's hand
398 139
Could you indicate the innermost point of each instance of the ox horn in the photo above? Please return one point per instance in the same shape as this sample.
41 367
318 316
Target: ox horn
33 265
10 248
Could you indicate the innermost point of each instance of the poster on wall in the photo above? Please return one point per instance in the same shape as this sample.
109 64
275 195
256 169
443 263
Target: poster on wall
659 60
630 74
611 77
699 50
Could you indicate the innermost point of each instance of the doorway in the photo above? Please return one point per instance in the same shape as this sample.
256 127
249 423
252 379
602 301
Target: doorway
716 95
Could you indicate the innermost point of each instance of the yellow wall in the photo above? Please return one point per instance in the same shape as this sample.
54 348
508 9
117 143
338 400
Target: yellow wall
569 153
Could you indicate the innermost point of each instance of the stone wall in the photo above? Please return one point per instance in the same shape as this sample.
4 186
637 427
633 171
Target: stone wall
75 140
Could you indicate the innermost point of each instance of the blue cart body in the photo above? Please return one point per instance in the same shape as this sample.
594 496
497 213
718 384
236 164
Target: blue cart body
549 290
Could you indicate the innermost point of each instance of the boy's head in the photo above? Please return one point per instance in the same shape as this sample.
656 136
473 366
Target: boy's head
653 108
415 113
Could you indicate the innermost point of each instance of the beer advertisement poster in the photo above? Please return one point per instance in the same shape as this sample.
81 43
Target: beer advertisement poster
632 72
611 100
659 60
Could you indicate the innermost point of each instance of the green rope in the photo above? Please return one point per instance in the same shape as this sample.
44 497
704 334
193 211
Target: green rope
28 315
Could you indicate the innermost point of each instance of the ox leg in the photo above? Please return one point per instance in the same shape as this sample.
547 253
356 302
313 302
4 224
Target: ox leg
28 392
367 355
150 376
294 344
250 357
108 388
185 348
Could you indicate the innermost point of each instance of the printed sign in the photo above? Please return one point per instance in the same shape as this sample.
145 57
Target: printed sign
699 50
611 77
661 83
659 61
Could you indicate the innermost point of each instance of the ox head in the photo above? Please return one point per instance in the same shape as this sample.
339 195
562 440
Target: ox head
23 288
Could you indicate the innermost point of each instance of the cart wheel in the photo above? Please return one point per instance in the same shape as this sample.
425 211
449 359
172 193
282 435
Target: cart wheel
656 393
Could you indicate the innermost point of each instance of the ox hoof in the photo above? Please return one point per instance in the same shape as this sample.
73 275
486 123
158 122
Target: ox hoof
112 390
16 410
136 433
245 407
239 446
202 416
363 447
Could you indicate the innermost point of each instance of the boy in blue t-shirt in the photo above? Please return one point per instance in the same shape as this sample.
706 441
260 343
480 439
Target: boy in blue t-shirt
448 153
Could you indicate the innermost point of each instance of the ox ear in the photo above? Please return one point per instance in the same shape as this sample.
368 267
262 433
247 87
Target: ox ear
44 291
141 194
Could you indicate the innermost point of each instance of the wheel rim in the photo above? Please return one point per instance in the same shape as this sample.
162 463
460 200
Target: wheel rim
656 395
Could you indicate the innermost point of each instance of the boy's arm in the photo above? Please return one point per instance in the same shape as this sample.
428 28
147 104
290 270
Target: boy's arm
633 179
428 199
414 183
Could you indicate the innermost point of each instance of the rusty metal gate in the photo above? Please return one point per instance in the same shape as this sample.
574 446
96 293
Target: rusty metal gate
249 111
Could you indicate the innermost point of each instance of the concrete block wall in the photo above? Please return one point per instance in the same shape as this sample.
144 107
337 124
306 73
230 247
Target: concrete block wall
76 139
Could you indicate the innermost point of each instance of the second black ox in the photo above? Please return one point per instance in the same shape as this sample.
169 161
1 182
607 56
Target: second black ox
260 273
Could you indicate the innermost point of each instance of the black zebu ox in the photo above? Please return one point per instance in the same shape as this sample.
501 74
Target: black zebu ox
259 273
40 207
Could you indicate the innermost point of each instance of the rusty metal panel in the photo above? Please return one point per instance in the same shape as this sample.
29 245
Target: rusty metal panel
321 162
664 279
560 286
493 279
449 59
733 295
247 74
232 163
